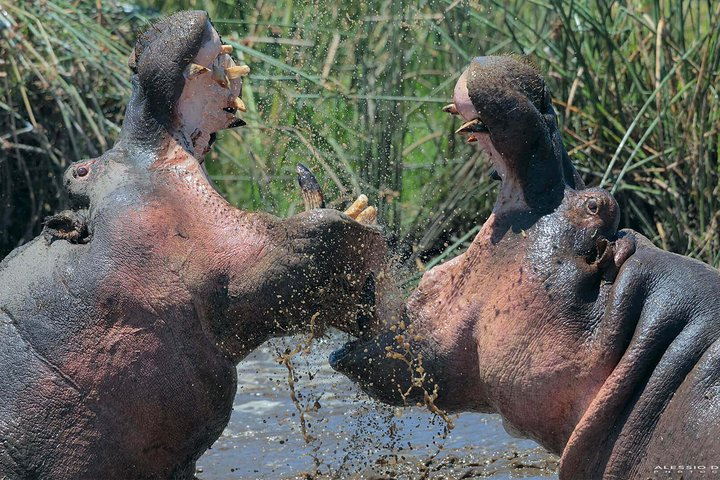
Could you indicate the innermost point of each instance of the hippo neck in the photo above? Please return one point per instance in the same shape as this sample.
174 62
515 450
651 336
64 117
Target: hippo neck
140 130
190 184
146 134
521 251
226 242
538 178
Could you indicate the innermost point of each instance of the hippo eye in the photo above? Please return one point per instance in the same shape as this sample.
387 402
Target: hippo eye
82 171
592 206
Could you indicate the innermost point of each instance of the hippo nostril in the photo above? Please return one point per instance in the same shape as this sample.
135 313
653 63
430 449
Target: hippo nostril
82 171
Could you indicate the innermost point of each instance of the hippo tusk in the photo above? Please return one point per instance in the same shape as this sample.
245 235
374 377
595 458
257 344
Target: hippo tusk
237 71
473 126
358 206
451 109
226 49
310 188
193 70
238 104
367 216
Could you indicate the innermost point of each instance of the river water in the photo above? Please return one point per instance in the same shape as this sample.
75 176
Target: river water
351 436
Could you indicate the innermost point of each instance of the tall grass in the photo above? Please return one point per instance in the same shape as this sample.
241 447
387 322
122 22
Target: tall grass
354 90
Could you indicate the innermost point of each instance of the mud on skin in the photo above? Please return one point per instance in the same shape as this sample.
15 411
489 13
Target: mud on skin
121 325
591 341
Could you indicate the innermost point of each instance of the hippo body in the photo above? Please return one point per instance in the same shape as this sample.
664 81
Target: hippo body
121 325
589 340
659 406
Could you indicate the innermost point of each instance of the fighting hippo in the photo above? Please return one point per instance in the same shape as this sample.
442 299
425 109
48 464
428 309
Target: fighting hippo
589 340
121 325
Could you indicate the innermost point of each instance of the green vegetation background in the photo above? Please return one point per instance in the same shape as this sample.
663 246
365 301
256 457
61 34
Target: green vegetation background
354 89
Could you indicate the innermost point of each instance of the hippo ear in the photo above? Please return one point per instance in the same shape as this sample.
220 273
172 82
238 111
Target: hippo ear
68 225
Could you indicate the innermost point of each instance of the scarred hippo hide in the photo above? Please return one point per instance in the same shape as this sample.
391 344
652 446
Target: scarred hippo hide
121 325
591 341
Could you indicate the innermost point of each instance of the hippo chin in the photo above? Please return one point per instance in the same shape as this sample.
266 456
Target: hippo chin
121 325
591 341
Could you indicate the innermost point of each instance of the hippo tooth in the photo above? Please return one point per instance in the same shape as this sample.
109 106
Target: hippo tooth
238 104
471 139
473 126
451 108
358 206
226 49
193 70
237 71
218 74
310 188
367 216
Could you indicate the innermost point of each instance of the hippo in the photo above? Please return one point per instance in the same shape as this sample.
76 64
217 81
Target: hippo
122 323
587 339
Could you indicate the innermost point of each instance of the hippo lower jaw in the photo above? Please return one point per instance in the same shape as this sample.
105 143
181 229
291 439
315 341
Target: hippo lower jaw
390 371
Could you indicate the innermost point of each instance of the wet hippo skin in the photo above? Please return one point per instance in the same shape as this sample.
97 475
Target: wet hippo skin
121 325
591 341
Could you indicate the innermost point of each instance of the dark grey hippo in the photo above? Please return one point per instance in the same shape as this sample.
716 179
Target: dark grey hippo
121 325
591 341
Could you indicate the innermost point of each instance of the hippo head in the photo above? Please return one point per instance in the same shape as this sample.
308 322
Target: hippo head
508 111
504 327
185 88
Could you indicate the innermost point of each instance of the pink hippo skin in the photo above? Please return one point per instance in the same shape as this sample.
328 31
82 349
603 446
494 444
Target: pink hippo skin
120 326
591 341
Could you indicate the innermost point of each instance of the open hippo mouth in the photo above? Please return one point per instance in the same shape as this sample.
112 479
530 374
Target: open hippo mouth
187 82
186 87
474 130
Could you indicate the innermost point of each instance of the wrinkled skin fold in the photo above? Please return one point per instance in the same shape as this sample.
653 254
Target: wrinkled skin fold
121 325
589 340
